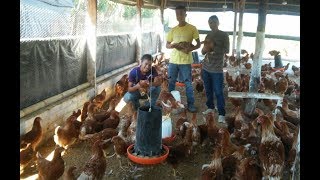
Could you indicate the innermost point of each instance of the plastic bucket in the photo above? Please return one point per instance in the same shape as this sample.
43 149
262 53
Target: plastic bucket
166 127
176 95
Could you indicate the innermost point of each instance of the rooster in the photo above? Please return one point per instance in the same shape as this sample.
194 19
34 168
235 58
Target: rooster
271 150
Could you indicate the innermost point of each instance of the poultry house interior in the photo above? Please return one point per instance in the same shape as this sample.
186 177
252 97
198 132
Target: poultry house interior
186 166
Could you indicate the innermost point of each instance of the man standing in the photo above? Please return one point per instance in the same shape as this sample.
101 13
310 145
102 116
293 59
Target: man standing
216 45
180 40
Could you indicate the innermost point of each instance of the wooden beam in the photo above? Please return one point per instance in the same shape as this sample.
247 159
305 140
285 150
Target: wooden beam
238 70
92 45
234 27
252 34
255 95
139 5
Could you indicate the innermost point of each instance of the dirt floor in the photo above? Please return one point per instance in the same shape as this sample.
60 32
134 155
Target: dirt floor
188 168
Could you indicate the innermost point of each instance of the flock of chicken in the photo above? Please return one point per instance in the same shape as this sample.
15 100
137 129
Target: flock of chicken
249 147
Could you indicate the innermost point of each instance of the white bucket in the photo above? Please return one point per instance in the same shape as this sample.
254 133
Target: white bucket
166 127
176 95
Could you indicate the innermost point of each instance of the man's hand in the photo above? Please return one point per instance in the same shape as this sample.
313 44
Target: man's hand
186 50
144 83
207 46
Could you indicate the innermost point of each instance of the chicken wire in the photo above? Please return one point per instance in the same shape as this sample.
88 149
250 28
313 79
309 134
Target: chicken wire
49 18
114 18
53 56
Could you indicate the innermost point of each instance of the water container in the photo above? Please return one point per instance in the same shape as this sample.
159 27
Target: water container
176 95
166 127
195 57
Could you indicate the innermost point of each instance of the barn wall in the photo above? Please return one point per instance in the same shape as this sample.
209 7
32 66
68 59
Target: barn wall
50 67
56 113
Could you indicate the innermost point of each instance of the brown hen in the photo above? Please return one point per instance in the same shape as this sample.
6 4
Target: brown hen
50 170
271 150
213 170
69 133
96 165
69 174
34 136
120 147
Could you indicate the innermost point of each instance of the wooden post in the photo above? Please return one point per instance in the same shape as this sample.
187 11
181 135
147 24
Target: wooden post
91 40
257 58
240 33
163 4
235 8
139 31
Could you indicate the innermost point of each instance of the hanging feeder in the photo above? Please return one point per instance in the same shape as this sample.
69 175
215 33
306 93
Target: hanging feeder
148 148
147 160
278 61
148 133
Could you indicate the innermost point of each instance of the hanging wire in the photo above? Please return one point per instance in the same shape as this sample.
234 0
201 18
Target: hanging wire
150 90
188 5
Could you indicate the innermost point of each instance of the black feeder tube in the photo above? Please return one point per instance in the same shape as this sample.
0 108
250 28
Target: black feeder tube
278 61
148 131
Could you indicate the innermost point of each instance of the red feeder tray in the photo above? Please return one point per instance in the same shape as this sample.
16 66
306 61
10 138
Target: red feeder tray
179 84
147 160
277 69
196 65
169 139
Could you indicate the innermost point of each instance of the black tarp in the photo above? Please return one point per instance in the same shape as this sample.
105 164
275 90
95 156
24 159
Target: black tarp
49 67
115 51
150 43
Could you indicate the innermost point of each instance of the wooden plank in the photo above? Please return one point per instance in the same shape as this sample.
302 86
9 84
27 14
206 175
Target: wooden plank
252 34
255 95
237 70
